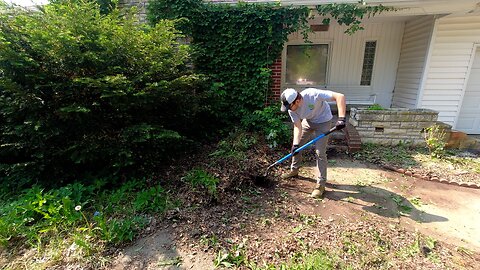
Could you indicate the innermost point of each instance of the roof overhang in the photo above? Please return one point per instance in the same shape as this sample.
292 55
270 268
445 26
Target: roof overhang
406 7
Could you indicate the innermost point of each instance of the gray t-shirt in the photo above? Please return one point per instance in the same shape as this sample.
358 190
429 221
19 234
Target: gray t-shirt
314 107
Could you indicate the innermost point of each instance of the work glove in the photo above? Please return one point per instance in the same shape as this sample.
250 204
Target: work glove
294 147
340 123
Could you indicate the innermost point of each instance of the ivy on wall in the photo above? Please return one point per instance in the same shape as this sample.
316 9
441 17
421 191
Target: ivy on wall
235 44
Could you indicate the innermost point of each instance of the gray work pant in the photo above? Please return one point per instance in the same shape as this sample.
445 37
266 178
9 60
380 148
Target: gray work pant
310 131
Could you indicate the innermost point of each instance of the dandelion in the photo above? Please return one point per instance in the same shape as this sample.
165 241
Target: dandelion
78 207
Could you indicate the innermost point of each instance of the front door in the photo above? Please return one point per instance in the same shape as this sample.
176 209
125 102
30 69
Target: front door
469 117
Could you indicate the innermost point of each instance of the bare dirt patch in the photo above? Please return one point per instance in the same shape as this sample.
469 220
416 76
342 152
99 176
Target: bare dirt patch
370 218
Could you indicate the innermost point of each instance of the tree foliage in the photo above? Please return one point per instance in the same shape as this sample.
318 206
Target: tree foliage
85 92
350 14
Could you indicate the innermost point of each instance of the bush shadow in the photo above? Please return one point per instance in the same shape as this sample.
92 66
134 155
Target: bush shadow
383 202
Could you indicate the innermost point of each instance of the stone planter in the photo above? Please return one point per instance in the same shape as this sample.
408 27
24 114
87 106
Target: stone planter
392 126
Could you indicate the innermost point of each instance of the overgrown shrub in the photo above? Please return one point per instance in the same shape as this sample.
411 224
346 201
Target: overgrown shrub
236 145
83 93
271 123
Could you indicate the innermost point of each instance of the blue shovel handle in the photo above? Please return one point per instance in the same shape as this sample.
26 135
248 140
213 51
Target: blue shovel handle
303 147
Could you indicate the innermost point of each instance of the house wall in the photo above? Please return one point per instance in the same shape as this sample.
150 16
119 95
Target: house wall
346 58
448 68
141 6
415 43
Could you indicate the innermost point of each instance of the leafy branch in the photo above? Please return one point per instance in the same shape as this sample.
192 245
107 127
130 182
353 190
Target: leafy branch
350 14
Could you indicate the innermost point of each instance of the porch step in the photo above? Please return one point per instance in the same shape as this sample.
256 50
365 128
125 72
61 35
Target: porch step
345 140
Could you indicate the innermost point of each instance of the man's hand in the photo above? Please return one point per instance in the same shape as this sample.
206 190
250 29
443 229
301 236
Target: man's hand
294 148
340 123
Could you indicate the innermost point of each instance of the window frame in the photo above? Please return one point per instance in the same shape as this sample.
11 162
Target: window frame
327 70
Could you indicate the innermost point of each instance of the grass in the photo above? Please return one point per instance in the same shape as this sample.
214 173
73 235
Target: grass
401 155
318 259
77 222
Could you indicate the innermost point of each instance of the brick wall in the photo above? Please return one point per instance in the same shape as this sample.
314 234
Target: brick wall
276 79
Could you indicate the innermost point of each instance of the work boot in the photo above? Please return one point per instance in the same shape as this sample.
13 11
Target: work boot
318 191
290 174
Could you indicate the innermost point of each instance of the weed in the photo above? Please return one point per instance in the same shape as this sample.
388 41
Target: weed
382 245
401 155
307 220
284 195
375 107
416 201
349 199
435 137
124 230
233 257
235 145
399 201
297 229
465 251
319 259
201 178
153 199
360 183
266 222
277 212
210 241
410 250
177 261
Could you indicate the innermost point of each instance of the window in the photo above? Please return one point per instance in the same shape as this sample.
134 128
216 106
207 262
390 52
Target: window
368 59
306 64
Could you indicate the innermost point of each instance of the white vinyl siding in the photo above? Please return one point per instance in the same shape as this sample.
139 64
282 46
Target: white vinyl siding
416 40
469 117
346 58
449 64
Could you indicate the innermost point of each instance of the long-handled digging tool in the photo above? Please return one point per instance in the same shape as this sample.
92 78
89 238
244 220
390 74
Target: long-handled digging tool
298 150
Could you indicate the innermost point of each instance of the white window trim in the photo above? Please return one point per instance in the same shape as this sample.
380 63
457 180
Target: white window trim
284 84
372 80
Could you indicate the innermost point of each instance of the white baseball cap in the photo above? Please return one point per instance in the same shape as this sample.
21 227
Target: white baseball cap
288 97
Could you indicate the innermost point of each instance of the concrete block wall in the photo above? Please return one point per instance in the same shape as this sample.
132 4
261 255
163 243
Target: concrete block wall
392 126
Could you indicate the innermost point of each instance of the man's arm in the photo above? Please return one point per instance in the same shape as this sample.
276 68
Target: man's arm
297 132
341 103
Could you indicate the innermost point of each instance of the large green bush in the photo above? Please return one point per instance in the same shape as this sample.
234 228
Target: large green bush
85 93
